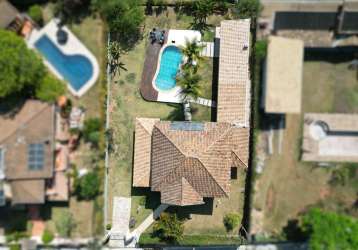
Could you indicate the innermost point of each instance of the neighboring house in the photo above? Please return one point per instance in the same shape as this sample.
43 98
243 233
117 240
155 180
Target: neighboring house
28 163
282 86
10 17
330 137
189 161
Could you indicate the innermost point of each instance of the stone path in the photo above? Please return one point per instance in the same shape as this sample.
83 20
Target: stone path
208 49
203 101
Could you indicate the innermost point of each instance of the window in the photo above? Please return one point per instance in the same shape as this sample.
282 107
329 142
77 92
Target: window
36 156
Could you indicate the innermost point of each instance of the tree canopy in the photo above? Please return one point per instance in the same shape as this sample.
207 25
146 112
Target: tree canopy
49 88
330 231
20 67
124 19
247 9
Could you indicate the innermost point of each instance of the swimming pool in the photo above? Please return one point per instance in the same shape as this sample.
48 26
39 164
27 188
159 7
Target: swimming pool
169 65
76 69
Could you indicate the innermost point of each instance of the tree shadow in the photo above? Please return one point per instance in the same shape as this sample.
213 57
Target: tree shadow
294 232
13 220
177 114
11 105
152 199
186 211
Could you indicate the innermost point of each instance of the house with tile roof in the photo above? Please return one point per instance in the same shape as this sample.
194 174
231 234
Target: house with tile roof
28 155
189 161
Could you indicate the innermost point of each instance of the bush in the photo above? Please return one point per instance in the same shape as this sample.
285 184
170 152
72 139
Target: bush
65 224
87 187
169 228
15 247
47 237
108 226
49 89
231 221
16 236
35 12
260 50
91 131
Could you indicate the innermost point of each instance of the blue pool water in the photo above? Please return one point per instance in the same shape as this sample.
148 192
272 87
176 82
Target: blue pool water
169 65
75 69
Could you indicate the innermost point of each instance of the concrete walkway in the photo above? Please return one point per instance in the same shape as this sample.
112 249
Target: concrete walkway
204 102
120 221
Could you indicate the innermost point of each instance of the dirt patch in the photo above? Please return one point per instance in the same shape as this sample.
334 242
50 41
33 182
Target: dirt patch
270 198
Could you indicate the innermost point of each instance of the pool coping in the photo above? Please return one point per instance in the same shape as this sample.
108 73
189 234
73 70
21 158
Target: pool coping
72 47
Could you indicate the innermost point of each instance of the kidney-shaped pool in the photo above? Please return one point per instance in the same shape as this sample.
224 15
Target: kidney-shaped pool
169 65
76 69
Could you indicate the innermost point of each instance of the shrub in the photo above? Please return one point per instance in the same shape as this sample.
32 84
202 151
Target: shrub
108 226
65 224
35 12
47 237
260 49
15 247
49 89
169 227
131 77
16 236
231 221
91 130
87 187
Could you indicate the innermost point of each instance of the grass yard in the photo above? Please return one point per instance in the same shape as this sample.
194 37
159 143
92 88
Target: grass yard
288 186
127 103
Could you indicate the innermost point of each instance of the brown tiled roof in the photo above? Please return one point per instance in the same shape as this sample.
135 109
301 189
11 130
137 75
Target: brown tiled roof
234 80
7 13
142 151
28 191
33 123
187 165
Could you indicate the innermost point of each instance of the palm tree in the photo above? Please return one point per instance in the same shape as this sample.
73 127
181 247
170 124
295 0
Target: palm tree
189 81
115 53
201 10
192 50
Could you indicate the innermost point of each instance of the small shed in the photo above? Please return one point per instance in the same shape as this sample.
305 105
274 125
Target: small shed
283 75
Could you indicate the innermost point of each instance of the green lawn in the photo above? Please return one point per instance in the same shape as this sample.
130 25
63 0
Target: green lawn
288 186
127 104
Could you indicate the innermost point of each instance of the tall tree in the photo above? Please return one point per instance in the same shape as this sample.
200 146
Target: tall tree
330 231
20 67
189 81
201 10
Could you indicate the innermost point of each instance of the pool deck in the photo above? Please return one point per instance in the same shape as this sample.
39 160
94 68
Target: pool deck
72 47
150 66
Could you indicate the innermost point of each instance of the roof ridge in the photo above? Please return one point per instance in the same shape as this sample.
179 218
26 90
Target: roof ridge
210 174
239 158
222 135
28 121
